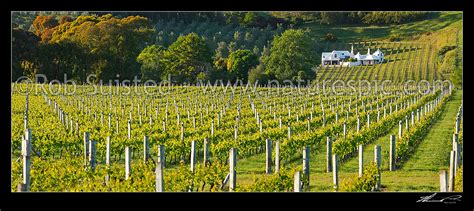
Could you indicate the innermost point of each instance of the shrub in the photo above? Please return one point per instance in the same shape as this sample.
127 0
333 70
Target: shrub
350 59
203 179
366 183
458 180
330 37
201 76
280 182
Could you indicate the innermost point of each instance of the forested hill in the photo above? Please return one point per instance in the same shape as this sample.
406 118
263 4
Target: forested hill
192 46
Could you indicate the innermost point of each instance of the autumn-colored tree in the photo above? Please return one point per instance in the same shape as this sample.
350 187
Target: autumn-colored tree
47 34
65 18
113 43
41 24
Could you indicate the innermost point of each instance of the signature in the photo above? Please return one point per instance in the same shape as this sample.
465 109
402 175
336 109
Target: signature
449 199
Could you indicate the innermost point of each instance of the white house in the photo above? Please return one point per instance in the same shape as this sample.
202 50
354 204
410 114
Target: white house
369 59
341 57
334 57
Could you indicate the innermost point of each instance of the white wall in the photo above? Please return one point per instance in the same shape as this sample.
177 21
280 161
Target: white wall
350 64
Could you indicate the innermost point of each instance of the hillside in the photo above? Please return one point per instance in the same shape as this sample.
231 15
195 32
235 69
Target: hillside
41 36
417 54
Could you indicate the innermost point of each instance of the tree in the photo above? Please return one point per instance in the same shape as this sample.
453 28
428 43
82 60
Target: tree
220 64
151 64
265 53
113 44
248 37
250 19
187 57
63 57
393 17
330 18
330 37
42 23
43 27
257 74
240 62
232 47
64 19
290 53
237 36
221 51
256 50
260 19
219 71
24 53
296 17
233 17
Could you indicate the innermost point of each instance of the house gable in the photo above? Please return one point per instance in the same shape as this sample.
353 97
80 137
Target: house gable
335 57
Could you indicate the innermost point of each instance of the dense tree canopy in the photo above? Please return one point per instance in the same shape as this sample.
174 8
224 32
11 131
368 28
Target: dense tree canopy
24 47
378 18
115 43
187 46
151 62
291 53
187 57
59 58
257 75
106 46
43 26
393 17
240 62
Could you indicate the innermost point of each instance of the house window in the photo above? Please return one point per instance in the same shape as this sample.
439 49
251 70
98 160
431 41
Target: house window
335 55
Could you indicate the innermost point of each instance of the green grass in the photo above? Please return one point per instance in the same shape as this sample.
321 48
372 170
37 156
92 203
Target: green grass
252 165
419 173
410 181
433 152
352 165
365 33
445 19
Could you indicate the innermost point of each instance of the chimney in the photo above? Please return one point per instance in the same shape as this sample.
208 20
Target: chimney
368 51
352 49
